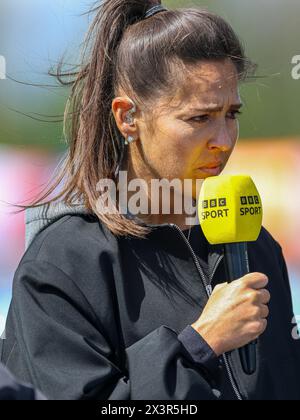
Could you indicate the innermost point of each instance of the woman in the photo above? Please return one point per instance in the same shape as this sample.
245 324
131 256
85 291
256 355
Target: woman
112 304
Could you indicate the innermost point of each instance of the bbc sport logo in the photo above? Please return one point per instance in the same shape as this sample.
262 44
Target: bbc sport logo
2 68
222 202
250 200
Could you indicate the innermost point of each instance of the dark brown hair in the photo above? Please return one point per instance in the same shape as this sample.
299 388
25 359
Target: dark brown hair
124 51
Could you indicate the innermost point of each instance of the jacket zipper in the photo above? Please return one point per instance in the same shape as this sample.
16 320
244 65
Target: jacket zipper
208 289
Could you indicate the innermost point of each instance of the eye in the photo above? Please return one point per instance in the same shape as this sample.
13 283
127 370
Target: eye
200 118
233 115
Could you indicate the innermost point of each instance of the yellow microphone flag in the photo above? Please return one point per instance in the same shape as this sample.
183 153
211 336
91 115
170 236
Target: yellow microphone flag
230 209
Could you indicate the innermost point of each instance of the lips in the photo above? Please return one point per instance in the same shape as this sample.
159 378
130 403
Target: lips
212 165
214 168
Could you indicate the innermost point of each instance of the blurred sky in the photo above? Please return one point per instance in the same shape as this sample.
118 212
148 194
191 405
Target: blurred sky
34 35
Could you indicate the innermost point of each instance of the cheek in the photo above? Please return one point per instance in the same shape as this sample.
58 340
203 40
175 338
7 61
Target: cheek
180 153
174 160
234 132
237 132
170 151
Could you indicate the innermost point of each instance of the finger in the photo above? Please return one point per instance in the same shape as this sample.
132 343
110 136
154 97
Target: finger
256 281
264 324
220 286
264 311
264 296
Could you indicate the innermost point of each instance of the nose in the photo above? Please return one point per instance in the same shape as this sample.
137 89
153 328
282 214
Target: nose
223 139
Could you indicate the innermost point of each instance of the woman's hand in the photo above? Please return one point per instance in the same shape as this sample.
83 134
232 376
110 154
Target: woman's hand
235 314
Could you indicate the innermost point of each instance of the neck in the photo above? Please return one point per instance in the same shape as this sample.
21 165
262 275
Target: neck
184 220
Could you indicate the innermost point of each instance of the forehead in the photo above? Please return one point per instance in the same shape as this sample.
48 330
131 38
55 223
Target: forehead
208 81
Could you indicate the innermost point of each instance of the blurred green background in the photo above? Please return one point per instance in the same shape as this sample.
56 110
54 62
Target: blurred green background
35 33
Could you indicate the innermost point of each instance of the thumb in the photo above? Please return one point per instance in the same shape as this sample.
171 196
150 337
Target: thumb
220 286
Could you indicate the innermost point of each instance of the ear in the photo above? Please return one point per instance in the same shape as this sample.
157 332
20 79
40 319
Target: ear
123 110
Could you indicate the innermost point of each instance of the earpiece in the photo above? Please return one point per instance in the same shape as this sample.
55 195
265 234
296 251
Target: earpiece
129 120
129 115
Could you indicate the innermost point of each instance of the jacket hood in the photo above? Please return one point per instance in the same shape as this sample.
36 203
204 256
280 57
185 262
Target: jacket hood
38 218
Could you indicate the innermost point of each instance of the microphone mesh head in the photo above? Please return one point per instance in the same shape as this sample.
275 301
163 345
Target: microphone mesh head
230 209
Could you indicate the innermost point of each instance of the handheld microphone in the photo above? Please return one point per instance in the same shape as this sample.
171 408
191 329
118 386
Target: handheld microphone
230 213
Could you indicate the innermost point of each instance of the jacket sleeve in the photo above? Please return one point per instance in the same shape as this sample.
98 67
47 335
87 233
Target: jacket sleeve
67 352
199 350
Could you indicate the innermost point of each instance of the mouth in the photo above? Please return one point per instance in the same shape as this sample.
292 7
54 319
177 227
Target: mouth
212 168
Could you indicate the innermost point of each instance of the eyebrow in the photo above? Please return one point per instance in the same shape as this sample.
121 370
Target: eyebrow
215 108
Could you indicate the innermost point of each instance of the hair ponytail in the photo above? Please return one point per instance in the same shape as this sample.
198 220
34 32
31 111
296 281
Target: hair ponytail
114 56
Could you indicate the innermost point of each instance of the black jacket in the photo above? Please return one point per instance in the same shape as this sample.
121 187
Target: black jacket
10 390
99 317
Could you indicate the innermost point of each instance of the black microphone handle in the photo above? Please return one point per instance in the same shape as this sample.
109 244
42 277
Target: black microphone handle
237 266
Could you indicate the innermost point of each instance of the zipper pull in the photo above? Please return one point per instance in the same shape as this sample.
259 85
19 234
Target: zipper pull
209 289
